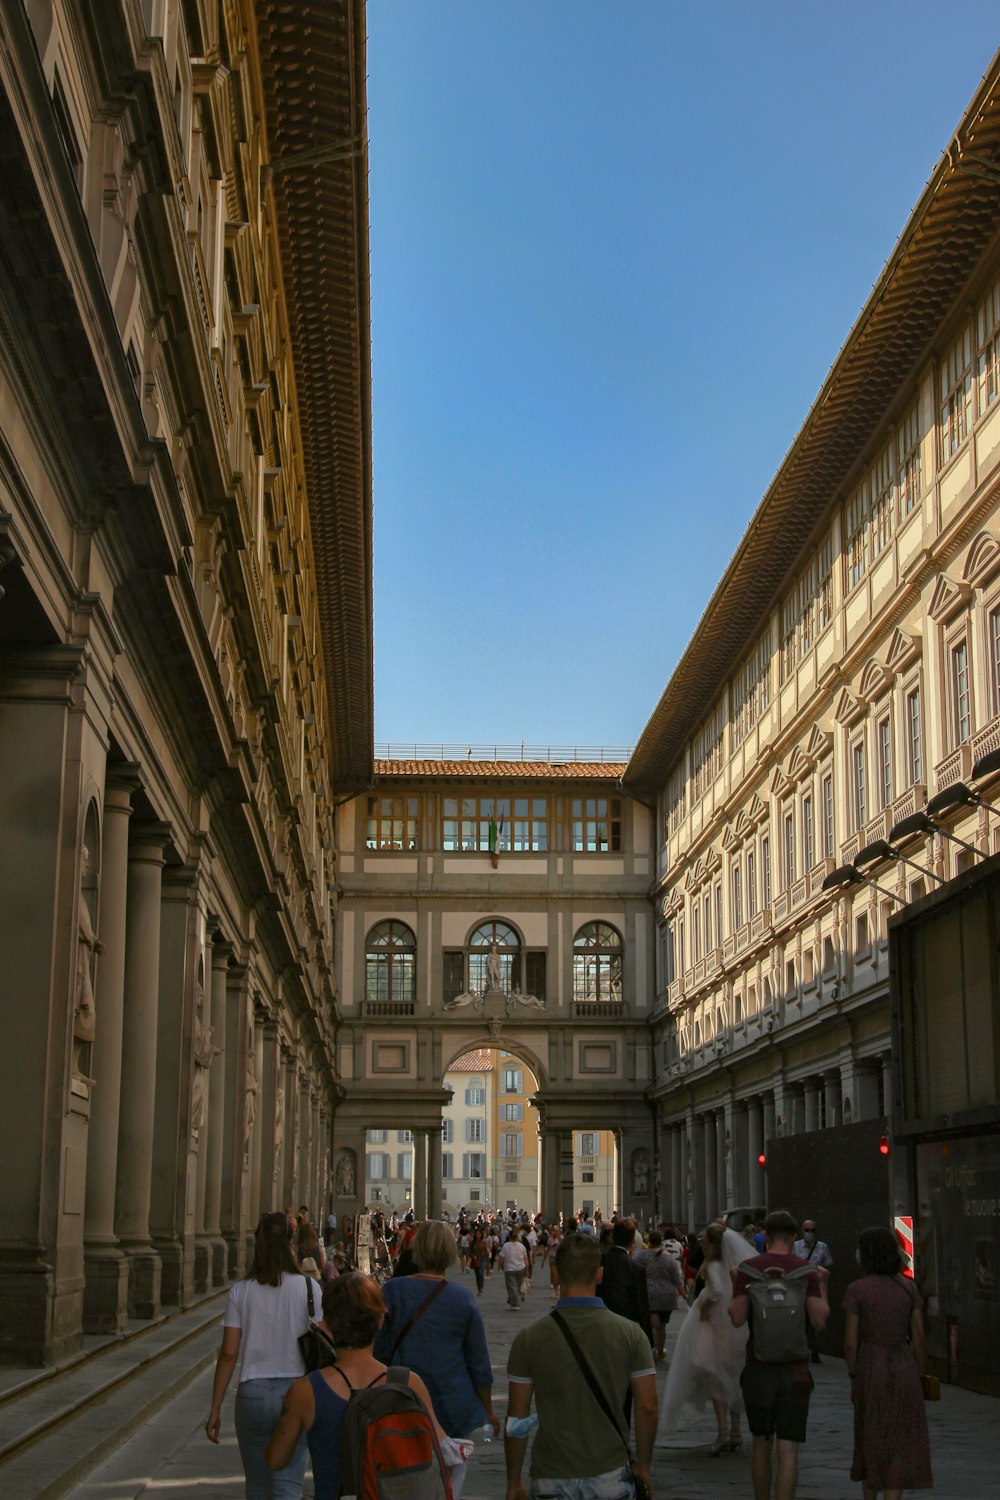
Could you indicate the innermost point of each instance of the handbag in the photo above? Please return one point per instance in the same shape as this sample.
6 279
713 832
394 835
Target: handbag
642 1491
315 1345
931 1387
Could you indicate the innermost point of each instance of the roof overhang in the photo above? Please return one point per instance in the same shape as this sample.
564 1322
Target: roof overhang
312 59
924 281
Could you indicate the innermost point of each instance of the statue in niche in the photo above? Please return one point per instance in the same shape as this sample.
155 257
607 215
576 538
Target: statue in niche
493 966
640 1174
279 1128
249 1092
204 1053
345 1180
515 999
88 943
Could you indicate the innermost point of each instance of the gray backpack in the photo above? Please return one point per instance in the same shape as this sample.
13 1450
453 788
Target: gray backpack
778 1313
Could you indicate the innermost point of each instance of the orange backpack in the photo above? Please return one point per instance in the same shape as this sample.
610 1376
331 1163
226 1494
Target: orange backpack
388 1447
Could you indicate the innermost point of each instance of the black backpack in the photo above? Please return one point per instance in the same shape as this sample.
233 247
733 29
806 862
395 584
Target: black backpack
778 1313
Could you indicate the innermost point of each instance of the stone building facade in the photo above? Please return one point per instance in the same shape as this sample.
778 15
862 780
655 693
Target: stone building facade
185 634
840 692
501 903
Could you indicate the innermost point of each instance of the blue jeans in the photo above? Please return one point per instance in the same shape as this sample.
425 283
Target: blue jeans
616 1484
258 1407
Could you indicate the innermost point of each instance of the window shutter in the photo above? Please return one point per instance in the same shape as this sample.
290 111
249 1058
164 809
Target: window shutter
468 1097
465 1164
446 1165
534 974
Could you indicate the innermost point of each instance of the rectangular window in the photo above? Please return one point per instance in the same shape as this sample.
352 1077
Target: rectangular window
914 738
718 915
447 1161
824 587
883 507
378 1166
392 823
994 662
404 1166
829 827
534 973
961 701
988 345
530 831
513 1081
695 930
474 1164
447 1131
808 844
706 907
512 1111
908 474
475 1094
669 957
737 898
589 1143
789 850
789 619
955 383
859 771
454 974
751 692
466 823
751 885
475 1130
856 527
67 134
885 762
597 825
765 872
404 1137
512 1143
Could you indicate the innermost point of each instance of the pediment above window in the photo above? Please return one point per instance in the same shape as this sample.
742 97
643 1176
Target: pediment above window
800 764
730 840
983 559
780 783
743 824
713 861
875 680
819 744
948 598
904 650
757 809
849 708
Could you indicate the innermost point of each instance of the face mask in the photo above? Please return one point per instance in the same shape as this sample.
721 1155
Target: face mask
809 1236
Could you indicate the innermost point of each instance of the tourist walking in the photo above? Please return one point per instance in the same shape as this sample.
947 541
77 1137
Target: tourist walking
884 1351
705 1366
776 1392
622 1288
265 1314
664 1285
434 1326
479 1259
315 1406
815 1252
513 1263
579 1365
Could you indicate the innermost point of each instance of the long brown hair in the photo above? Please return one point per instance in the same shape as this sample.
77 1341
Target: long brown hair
272 1251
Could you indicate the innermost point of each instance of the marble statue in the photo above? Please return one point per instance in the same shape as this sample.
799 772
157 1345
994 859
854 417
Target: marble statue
204 1052
515 999
249 1092
88 943
640 1174
493 966
279 1127
344 1178
459 1002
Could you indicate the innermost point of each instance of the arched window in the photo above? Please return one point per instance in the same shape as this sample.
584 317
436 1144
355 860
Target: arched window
597 964
390 964
494 967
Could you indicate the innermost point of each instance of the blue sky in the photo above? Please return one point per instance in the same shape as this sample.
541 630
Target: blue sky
616 247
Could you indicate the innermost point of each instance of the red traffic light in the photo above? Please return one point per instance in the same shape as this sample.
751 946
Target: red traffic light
762 1160
883 1145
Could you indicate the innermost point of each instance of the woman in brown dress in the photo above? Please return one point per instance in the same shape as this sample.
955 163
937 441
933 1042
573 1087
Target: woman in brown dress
884 1350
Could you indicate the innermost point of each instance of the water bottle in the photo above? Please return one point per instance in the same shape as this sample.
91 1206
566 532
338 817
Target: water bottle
484 1434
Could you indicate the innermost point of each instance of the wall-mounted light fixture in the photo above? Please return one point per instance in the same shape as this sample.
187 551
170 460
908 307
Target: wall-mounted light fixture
880 850
844 876
922 822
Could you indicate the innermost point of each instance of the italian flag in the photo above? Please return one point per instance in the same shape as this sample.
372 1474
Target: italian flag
495 832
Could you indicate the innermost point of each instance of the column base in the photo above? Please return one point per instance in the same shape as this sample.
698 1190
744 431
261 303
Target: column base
26 1311
105 1297
220 1255
235 1264
177 1275
202 1265
144 1280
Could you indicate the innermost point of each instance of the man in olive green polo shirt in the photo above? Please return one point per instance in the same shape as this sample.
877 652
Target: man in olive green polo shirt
579 1453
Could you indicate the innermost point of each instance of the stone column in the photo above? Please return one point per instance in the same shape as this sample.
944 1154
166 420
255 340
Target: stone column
274 1124
254 1167
770 1112
710 1174
722 1170
678 1198
105 1304
199 1142
435 1200
222 1064
832 1098
549 1147
887 1085
236 1137
566 1174
419 1173
294 1191
755 1148
305 1177
138 1079
811 1104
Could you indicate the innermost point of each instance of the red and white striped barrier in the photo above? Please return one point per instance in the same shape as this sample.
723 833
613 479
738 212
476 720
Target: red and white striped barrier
903 1225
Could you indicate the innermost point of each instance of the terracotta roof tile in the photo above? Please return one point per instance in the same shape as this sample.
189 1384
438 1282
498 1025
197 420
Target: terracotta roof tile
477 1061
487 770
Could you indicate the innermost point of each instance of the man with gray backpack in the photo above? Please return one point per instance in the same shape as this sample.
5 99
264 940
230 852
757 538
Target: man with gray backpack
780 1296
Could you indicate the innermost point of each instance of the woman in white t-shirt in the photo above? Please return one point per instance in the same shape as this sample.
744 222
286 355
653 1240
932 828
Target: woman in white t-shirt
514 1265
265 1314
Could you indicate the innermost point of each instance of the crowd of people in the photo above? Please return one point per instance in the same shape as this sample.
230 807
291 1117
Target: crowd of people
754 1303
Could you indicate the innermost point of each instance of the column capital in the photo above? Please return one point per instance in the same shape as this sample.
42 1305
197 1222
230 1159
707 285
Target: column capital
151 836
121 780
221 954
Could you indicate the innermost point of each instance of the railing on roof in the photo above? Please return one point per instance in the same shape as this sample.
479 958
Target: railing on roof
553 755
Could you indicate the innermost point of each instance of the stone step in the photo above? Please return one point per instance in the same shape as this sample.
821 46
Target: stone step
57 1424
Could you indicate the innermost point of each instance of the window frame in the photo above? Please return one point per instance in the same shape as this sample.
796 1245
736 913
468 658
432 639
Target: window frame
400 988
961 701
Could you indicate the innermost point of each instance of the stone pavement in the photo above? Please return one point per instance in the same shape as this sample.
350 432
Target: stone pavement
171 1458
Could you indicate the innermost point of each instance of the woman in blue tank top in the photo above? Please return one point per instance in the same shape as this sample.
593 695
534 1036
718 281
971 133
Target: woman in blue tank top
353 1310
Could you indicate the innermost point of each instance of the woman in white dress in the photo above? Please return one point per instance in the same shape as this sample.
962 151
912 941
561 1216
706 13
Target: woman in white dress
708 1354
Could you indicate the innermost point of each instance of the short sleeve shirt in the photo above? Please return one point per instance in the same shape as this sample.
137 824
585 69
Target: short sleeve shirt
270 1320
574 1439
513 1256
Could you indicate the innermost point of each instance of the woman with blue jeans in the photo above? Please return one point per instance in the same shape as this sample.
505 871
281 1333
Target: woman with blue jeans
265 1314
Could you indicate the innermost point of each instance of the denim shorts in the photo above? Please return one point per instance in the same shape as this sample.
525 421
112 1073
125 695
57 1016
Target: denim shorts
616 1484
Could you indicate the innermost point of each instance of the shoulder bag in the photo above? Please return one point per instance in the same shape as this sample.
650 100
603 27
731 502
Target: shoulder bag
415 1317
315 1345
641 1491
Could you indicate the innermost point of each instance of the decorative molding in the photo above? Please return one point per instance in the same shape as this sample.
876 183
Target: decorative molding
904 649
948 598
876 680
983 560
849 708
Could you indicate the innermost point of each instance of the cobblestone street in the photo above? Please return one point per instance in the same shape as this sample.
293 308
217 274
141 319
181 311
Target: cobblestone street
171 1457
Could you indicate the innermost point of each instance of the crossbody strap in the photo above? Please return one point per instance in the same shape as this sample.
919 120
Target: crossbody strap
415 1317
589 1377
312 1305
